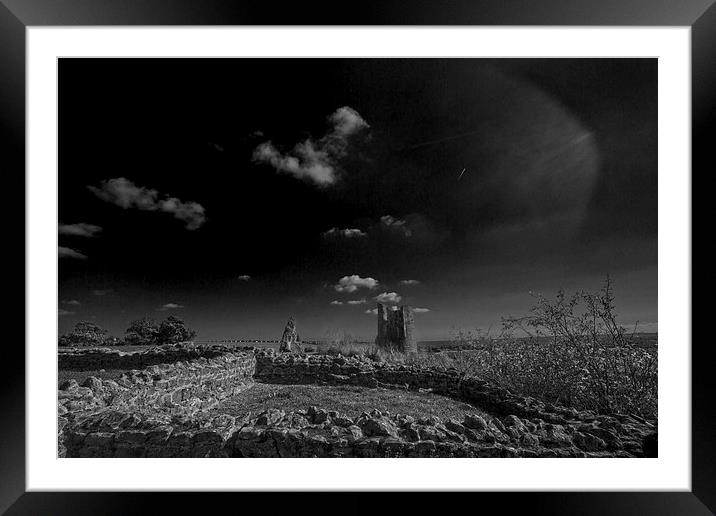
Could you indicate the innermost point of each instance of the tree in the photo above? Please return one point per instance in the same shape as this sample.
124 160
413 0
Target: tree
142 332
173 330
84 334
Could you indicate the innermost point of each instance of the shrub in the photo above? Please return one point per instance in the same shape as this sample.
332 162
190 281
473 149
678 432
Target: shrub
146 332
172 330
142 332
342 342
573 352
84 334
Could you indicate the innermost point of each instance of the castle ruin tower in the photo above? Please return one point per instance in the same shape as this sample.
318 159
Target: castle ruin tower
396 329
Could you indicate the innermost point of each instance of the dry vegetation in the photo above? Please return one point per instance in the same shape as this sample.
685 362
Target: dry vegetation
569 351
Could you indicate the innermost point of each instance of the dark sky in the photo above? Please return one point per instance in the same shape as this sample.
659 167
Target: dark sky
479 179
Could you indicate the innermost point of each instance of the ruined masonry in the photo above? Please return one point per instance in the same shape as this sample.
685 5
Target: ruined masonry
290 336
176 409
395 329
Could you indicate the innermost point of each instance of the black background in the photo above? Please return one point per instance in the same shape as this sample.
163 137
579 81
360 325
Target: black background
12 26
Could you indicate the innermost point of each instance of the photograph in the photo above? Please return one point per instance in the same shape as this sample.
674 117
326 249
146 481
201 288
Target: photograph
374 257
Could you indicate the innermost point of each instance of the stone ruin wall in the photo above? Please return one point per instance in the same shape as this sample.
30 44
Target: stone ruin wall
144 415
171 391
94 359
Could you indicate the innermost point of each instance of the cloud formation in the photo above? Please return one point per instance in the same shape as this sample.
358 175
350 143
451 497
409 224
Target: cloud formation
81 229
315 160
388 297
71 302
421 310
125 194
66 252
414 226
62 312
409 282
392 224
170 306
352 283
372 311
356 301
244 277
336 302
347 233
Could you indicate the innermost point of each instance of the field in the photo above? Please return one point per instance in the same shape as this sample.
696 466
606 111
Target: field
642 340
347 400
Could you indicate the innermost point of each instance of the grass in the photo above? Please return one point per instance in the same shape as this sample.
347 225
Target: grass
348 400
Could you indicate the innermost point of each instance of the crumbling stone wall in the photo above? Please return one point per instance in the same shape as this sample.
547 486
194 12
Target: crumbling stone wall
624 432
176 391
396 329
361 371
290 337
319 433
93 359
173 410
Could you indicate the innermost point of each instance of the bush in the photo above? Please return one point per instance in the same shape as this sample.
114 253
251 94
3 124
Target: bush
573 353
344 343
146 332
142 332
84 334
173 330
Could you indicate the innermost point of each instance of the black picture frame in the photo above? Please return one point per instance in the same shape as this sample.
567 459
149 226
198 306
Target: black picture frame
17 15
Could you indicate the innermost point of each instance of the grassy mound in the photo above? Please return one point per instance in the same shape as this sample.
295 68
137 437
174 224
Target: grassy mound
348 400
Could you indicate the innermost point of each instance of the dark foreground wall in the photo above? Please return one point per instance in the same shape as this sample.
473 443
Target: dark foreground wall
174 391
168 411
94 359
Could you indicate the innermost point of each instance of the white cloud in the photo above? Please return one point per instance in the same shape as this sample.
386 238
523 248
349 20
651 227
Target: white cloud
170 306
347 233
392 224
71 302
352 283
388 297
244 277
350 302
310 164
315 161
346 121
62 312
66 252
409 282
125 194
81 229
421 310
373 311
